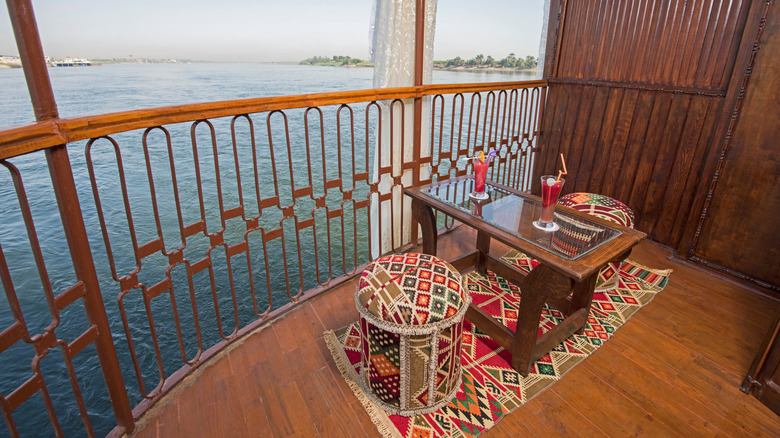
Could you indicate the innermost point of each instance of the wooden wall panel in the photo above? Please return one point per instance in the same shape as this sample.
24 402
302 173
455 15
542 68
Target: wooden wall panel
637 90
645 148
684 44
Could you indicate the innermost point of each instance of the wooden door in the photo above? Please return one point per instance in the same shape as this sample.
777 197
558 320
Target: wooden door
740 233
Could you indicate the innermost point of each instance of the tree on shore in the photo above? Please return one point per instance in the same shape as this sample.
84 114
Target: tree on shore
482 61
334 61
456 62
509 62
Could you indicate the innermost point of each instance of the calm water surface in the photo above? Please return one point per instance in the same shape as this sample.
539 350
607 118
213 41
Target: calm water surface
121 87
106 89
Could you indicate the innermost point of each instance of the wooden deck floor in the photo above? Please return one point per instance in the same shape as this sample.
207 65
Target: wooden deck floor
673 370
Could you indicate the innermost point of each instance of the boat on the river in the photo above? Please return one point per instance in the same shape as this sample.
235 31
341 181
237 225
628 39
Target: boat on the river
72 62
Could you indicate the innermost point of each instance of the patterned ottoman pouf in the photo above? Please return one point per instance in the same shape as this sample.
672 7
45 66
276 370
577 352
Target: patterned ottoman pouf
411 321
606 208
601 206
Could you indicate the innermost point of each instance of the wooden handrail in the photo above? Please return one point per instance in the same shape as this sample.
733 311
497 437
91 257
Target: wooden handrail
24 139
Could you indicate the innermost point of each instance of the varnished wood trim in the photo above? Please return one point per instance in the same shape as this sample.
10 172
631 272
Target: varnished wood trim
642 87
427 220
505 270
502 335
480 87
560 27
466 262
734 273
29 138
554 35
560 333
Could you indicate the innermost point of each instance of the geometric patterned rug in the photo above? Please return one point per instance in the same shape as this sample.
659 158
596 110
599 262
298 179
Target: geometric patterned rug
490 387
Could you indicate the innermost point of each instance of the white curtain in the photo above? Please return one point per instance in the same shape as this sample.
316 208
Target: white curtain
543 40
392 40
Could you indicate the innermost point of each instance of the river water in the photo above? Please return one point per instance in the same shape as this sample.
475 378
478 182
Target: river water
104 89
121 87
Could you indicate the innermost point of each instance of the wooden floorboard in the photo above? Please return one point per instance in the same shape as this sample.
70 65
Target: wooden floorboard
673 369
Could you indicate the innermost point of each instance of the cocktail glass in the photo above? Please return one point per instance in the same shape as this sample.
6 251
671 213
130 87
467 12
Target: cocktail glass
480 174
551 188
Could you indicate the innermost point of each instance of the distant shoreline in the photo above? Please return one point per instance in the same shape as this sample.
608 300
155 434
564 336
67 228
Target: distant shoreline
487 69
364 64
333 64
464 69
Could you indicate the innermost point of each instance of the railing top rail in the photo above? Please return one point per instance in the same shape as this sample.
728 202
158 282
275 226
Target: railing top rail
480 86
23 139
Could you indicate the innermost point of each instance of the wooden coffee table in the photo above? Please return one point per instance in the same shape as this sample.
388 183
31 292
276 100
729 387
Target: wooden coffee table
570 258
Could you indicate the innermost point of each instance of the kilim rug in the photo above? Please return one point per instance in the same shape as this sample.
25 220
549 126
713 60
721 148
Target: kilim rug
491 388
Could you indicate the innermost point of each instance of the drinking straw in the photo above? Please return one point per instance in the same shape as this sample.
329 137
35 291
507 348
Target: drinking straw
562 172
481 156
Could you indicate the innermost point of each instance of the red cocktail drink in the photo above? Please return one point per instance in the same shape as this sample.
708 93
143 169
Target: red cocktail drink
480 174
551 188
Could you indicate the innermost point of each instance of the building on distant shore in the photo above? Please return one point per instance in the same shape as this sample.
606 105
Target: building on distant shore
10 61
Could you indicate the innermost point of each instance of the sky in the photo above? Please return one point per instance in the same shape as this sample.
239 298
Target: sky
265 30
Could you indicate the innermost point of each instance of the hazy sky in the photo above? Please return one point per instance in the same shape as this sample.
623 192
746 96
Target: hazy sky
265 30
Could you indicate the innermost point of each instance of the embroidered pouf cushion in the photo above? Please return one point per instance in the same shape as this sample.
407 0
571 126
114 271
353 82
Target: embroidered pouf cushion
411 321
606 208
601 206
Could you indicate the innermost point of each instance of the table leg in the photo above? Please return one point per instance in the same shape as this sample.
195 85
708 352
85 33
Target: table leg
483 248
582 297
423 214
542 283
526 332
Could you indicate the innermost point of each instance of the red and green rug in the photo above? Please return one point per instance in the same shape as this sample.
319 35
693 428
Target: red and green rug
491 388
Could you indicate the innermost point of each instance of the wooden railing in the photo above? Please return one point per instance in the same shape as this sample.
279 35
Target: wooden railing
189 227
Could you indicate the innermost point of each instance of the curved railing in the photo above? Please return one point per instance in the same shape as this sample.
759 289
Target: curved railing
181 229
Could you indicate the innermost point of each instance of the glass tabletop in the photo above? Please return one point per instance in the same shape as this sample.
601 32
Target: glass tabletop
515 214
